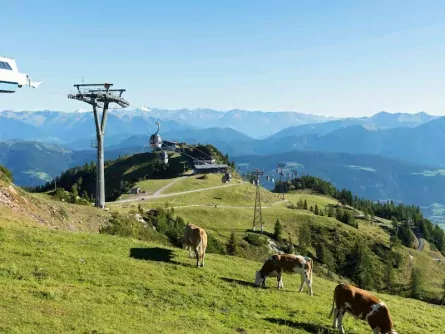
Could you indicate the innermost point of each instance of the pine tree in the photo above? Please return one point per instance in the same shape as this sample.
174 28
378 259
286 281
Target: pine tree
339 214
316 210
277 231
362 267
416 283
331 211
389 271
300 204
289 246
304 238
232 245
311 209
305 205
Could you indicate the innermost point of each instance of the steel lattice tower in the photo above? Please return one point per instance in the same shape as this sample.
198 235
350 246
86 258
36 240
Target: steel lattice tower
100 96
257 214
280 167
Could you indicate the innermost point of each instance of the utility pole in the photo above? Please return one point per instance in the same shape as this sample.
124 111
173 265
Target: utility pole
257 214
100 96
280 167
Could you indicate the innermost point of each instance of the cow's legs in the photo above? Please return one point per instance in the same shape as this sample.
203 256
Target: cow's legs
202 259
197 256
341 314
280 280
309 283
334 324
190 252
302 283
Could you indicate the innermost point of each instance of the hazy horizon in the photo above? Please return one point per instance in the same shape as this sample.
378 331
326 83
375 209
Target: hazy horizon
83 110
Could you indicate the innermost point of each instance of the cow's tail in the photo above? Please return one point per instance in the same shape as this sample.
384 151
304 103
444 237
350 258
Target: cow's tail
333 306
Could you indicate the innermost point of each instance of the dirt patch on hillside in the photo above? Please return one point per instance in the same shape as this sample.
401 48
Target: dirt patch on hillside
53 214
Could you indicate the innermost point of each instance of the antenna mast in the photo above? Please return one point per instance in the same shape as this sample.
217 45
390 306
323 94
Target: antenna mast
100 96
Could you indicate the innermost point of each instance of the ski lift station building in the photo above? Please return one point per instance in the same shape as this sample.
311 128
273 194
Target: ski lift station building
210 168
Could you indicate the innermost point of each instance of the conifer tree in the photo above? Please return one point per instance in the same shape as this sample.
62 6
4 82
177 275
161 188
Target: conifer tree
316 211
305 205
232 245
331 211
416 283
277 230
304 239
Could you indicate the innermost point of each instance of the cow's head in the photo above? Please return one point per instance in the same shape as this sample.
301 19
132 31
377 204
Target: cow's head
259 279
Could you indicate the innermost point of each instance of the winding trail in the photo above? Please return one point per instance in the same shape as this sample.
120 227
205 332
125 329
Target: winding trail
226 206
421 244
164 188
159 195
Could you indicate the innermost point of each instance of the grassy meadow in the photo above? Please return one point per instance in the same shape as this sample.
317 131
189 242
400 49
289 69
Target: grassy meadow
58 282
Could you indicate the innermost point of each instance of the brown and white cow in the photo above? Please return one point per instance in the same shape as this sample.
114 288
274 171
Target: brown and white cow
362 305
195 238
288 263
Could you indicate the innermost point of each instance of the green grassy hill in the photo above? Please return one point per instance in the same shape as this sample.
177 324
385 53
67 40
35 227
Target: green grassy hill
55 281
126 171
225 210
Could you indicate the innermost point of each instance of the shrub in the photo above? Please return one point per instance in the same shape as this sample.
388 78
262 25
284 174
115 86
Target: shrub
125 226
256 239
63 212
215 246
5 174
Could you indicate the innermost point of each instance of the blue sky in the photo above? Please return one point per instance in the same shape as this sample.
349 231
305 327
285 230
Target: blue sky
338 58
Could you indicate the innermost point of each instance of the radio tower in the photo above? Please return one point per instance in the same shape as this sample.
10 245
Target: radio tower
100 96
257 214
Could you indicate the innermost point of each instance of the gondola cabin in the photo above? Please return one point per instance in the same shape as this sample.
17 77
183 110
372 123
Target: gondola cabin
11 78
163 157
155 141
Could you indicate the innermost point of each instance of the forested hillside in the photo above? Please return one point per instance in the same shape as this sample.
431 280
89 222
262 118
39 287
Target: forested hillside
404 217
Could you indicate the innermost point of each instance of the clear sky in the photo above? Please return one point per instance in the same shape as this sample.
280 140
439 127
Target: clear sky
338 58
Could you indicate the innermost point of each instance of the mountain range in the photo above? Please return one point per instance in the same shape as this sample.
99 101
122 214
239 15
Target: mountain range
385 156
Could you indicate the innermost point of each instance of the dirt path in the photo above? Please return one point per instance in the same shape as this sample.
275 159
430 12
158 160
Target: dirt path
225 206
164 188
421 244
154 196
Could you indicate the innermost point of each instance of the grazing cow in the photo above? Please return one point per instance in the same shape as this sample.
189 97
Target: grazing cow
289 263
195 238
362 305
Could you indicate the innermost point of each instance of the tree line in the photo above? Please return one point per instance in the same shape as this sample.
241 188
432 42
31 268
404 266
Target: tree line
405 218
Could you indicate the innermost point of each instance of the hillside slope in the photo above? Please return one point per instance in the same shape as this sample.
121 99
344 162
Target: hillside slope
230 209
90 283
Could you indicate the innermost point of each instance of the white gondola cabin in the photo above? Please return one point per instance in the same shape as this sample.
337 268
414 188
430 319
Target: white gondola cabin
11 78
163 157
155 139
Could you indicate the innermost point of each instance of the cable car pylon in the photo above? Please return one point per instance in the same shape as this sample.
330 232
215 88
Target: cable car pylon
257 213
